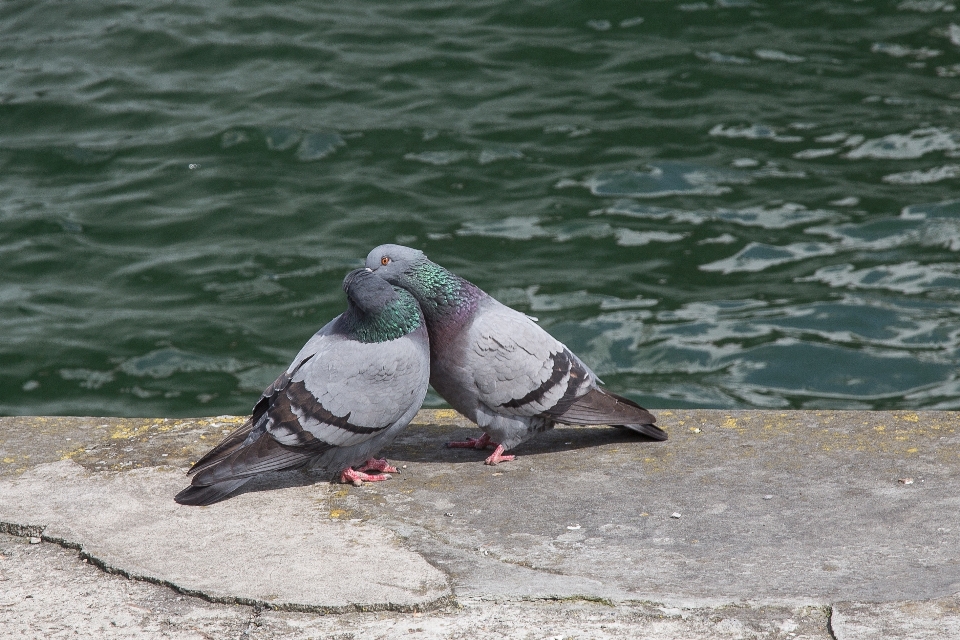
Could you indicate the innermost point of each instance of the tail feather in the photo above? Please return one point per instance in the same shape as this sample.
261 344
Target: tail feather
235 460
198 496
649 430
599 406
261 455
228 446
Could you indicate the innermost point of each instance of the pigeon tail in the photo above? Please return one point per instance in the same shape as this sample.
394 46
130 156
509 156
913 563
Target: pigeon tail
599 406
197 496
223 450
235 466
649 430
262 455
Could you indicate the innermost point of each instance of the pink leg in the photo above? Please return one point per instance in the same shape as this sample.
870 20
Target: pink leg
374 464
357 478
497 456
472 443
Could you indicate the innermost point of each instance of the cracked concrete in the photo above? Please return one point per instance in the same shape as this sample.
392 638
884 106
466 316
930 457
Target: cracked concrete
791 525
256 550
49 593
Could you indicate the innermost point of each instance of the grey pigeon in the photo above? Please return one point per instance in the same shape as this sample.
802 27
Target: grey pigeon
351 390
496 366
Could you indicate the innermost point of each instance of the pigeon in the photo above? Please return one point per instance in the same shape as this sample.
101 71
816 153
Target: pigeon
351 390
496 366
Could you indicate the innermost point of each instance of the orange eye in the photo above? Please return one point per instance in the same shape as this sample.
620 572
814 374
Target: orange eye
384 260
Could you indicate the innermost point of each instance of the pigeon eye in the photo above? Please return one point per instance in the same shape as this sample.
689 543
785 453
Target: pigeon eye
385 260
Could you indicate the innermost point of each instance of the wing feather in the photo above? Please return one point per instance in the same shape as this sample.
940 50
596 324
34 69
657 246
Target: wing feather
519 368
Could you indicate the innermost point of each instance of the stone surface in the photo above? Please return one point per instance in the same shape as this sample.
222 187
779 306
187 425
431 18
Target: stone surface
778 507
937 619
492 619
255 549
49 592
792 525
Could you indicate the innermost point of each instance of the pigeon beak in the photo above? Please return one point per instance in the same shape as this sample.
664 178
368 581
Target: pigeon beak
369 269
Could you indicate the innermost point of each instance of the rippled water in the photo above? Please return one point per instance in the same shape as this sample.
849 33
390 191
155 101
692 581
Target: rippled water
718 204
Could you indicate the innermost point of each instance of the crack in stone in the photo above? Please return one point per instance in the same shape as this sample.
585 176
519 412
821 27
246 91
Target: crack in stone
833 634
36 531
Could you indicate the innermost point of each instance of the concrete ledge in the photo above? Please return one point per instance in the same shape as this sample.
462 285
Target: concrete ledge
776 524
283 554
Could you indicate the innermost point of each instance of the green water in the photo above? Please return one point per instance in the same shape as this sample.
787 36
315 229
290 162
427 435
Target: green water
716 204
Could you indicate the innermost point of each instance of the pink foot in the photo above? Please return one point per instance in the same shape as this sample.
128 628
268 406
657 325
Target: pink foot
472 443
374 464
357 478
497 456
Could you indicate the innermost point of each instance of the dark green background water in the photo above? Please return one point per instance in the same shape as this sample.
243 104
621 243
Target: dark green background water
718 204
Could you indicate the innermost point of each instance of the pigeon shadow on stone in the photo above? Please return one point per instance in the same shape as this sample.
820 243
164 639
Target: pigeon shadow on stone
428 444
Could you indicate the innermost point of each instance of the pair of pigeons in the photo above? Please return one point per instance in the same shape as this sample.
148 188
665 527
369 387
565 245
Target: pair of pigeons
361 379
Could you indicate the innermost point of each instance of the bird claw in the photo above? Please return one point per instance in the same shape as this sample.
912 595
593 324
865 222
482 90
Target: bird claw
472 443
483 442
374 464
357 478
497 456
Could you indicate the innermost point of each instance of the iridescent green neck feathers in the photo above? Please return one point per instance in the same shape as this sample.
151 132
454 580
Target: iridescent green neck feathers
396 319
438 290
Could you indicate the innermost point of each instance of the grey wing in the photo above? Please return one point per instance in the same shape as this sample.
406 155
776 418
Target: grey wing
520 369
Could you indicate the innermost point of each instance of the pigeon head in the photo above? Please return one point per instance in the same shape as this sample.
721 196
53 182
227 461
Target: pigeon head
368 292
439 292
395 263
377 311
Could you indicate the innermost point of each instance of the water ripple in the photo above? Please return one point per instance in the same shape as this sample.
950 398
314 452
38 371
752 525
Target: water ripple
715 203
